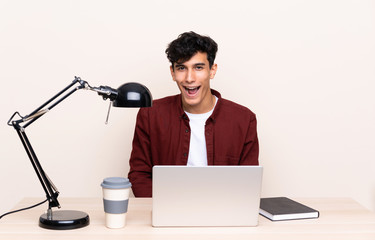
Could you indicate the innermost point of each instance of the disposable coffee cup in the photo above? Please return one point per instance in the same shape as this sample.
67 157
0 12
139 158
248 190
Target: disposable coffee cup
115 199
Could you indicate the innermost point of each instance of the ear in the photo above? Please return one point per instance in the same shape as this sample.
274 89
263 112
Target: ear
172 72
213 71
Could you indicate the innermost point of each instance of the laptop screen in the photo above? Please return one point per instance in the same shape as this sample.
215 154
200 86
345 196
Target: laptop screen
206 196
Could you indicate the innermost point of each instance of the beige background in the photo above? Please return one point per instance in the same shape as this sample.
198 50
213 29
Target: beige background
306 68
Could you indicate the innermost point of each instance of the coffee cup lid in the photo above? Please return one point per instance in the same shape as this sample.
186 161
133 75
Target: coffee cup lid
116 183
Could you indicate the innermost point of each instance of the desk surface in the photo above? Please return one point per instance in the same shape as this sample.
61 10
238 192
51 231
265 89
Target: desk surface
340 218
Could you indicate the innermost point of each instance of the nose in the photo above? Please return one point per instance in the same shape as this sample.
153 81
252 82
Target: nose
190 77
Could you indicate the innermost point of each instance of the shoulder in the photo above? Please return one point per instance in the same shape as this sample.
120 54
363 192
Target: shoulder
163 105
169 100
231 108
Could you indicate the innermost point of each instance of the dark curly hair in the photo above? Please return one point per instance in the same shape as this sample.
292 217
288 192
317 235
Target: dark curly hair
189 43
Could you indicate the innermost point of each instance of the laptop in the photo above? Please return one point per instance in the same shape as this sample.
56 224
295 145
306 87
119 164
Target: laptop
206 196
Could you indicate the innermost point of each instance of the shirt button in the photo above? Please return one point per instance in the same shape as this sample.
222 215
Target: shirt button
186 130
185 154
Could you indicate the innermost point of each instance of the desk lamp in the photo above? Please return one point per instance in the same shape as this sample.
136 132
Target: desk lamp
127 95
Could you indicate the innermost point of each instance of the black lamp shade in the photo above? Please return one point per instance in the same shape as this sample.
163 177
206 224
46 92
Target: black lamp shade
133 95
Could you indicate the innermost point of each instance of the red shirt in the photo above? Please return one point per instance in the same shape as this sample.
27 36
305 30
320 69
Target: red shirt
162 137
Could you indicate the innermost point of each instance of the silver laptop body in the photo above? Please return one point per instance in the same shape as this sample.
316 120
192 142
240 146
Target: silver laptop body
206 196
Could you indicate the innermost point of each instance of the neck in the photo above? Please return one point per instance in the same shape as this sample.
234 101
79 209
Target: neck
207 106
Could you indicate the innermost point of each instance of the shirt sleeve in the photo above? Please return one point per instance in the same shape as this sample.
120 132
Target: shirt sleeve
140 174
250 152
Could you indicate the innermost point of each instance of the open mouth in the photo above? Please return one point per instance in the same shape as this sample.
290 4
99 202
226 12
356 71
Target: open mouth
191 90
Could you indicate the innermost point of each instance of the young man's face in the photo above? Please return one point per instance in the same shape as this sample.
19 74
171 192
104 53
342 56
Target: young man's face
193 79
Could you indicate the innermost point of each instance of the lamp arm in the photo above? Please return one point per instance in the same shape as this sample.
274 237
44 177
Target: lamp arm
37 113
49 188
20 125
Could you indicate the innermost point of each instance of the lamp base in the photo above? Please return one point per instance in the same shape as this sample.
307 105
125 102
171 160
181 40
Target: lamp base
64 220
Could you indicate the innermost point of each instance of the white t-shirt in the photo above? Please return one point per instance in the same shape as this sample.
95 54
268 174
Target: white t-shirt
197 148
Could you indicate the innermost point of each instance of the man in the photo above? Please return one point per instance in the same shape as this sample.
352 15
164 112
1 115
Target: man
196 127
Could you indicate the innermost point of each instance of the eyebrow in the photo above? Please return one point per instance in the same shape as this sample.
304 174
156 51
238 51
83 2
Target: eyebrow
183 65
179 65
199 64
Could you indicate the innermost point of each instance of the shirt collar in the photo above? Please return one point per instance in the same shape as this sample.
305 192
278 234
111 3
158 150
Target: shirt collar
218 105
214 113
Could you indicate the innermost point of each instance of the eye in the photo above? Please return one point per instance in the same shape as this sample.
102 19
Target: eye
180 68
199 67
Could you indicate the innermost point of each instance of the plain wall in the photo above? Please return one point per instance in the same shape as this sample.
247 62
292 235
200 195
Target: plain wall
306 68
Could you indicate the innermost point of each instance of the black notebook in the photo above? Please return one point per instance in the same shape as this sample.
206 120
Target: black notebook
283 208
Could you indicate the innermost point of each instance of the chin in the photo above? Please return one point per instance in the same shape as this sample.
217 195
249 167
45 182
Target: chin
191 103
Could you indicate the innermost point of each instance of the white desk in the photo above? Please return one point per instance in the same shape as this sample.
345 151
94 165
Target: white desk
340 218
